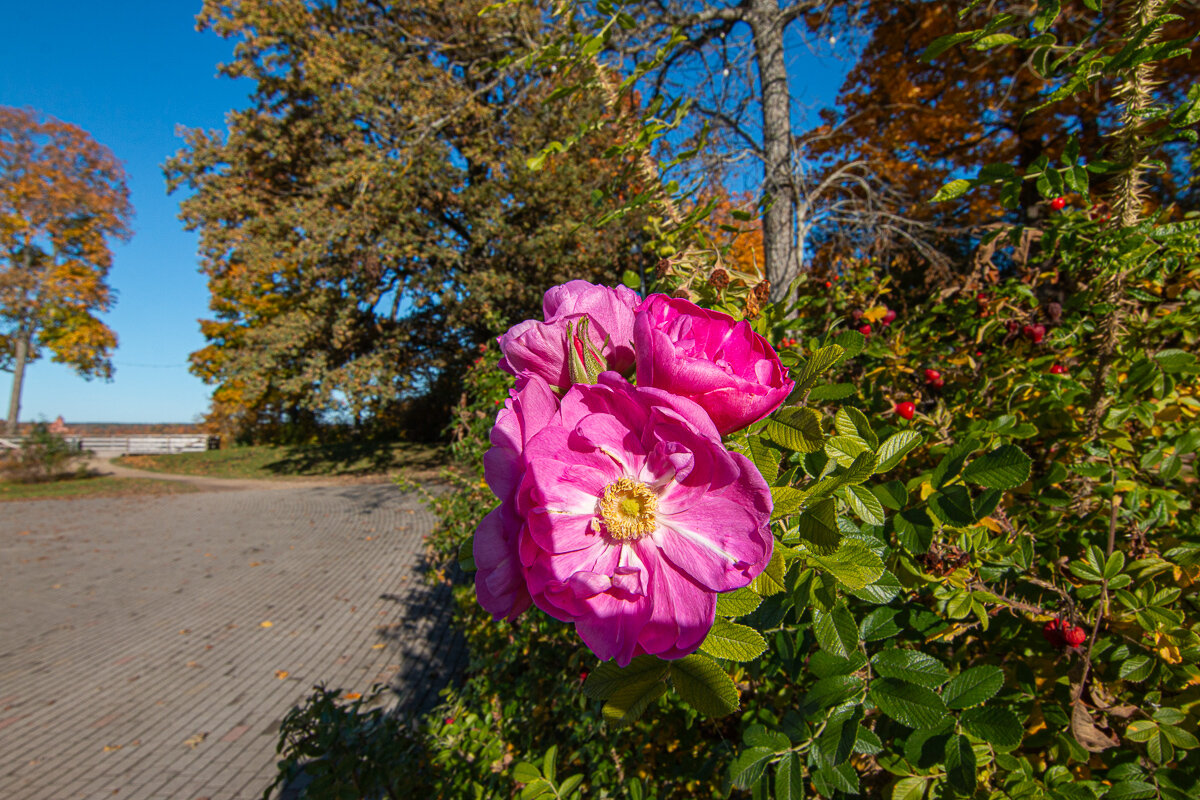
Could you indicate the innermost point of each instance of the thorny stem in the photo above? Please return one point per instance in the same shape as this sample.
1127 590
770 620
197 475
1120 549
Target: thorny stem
1127 205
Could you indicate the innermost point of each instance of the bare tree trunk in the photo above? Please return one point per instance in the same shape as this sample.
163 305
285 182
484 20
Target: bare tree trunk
14 403
782 262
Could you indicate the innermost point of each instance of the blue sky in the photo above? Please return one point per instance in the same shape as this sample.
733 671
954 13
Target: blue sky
129 72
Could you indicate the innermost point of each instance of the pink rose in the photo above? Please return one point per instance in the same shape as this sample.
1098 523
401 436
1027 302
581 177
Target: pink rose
499 584
543 349
635 517
706 356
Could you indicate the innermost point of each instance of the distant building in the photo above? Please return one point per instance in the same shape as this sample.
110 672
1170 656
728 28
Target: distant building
58 426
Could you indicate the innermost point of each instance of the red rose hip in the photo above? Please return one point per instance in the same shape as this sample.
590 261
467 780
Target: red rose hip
1058 369
1034 333
864 329
932 376
1058 203
1074 635
906 409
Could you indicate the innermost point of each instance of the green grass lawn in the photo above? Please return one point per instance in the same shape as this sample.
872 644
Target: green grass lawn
351 459
90 487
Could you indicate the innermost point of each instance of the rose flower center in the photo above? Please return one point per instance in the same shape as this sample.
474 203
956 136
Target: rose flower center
627 509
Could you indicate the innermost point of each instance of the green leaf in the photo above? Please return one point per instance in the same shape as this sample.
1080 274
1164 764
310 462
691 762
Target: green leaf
786 500
797 429
952 505
524 772
837 742
764 457
849 421
817 364
892 495
995 40
634 695
1006 467
1179 737
865 505
1136 669
862 468
844 449
853 564
568 786
789 778
466 555
960 764
733 642
608 677
894 448
737 603
910 665
952 190
770 580
973 686
835 631
884 590
548 762
935 49
1174 360
832 391
1131 790
996 726
748 768
818 527
910 788
702 683
539 788
910 705
879 624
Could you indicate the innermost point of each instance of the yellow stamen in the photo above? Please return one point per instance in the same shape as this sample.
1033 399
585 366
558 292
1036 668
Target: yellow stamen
627 509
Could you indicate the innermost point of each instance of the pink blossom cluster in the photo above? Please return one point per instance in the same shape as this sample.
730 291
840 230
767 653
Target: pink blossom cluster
621 510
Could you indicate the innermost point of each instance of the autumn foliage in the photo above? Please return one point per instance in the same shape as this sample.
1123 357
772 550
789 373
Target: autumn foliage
62 199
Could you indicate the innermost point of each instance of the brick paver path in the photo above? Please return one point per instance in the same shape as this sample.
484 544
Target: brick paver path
150 646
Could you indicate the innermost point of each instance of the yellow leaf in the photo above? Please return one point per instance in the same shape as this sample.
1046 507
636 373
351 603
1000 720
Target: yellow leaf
379 646
875 313
281 673
926 490
265 623
352 696
991 525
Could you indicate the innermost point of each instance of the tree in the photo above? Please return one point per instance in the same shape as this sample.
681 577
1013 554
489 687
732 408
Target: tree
924 121
62 198
370 218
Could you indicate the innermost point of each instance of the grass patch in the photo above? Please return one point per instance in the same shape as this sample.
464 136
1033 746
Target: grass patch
90 487
272 462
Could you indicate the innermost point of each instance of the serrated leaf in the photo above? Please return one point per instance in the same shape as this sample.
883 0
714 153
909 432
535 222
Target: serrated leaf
953 189
786 500
1136 669
911 788
829 692
853 564
1131 790
1006 467
835 631
862 468
539 788
844 449
733 642
911 705
1179 737
865 505
836 744
748 768
608 677
960 764
911 666
850 421
882 591
524 772
818 527
832 391
702 683
939 46
797 429
789 778
879 624
997 726
894 448
770 580
764 457
892 495
952 505
629 700
817 364
973 686
737 603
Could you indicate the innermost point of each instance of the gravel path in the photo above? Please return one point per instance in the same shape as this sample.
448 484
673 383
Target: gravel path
150 646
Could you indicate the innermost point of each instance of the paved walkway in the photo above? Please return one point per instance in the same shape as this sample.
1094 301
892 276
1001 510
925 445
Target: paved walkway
150 646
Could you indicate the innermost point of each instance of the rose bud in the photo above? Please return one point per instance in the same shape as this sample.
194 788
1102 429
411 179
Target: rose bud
710 358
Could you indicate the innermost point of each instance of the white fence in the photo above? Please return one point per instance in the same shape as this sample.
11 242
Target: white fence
138 444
